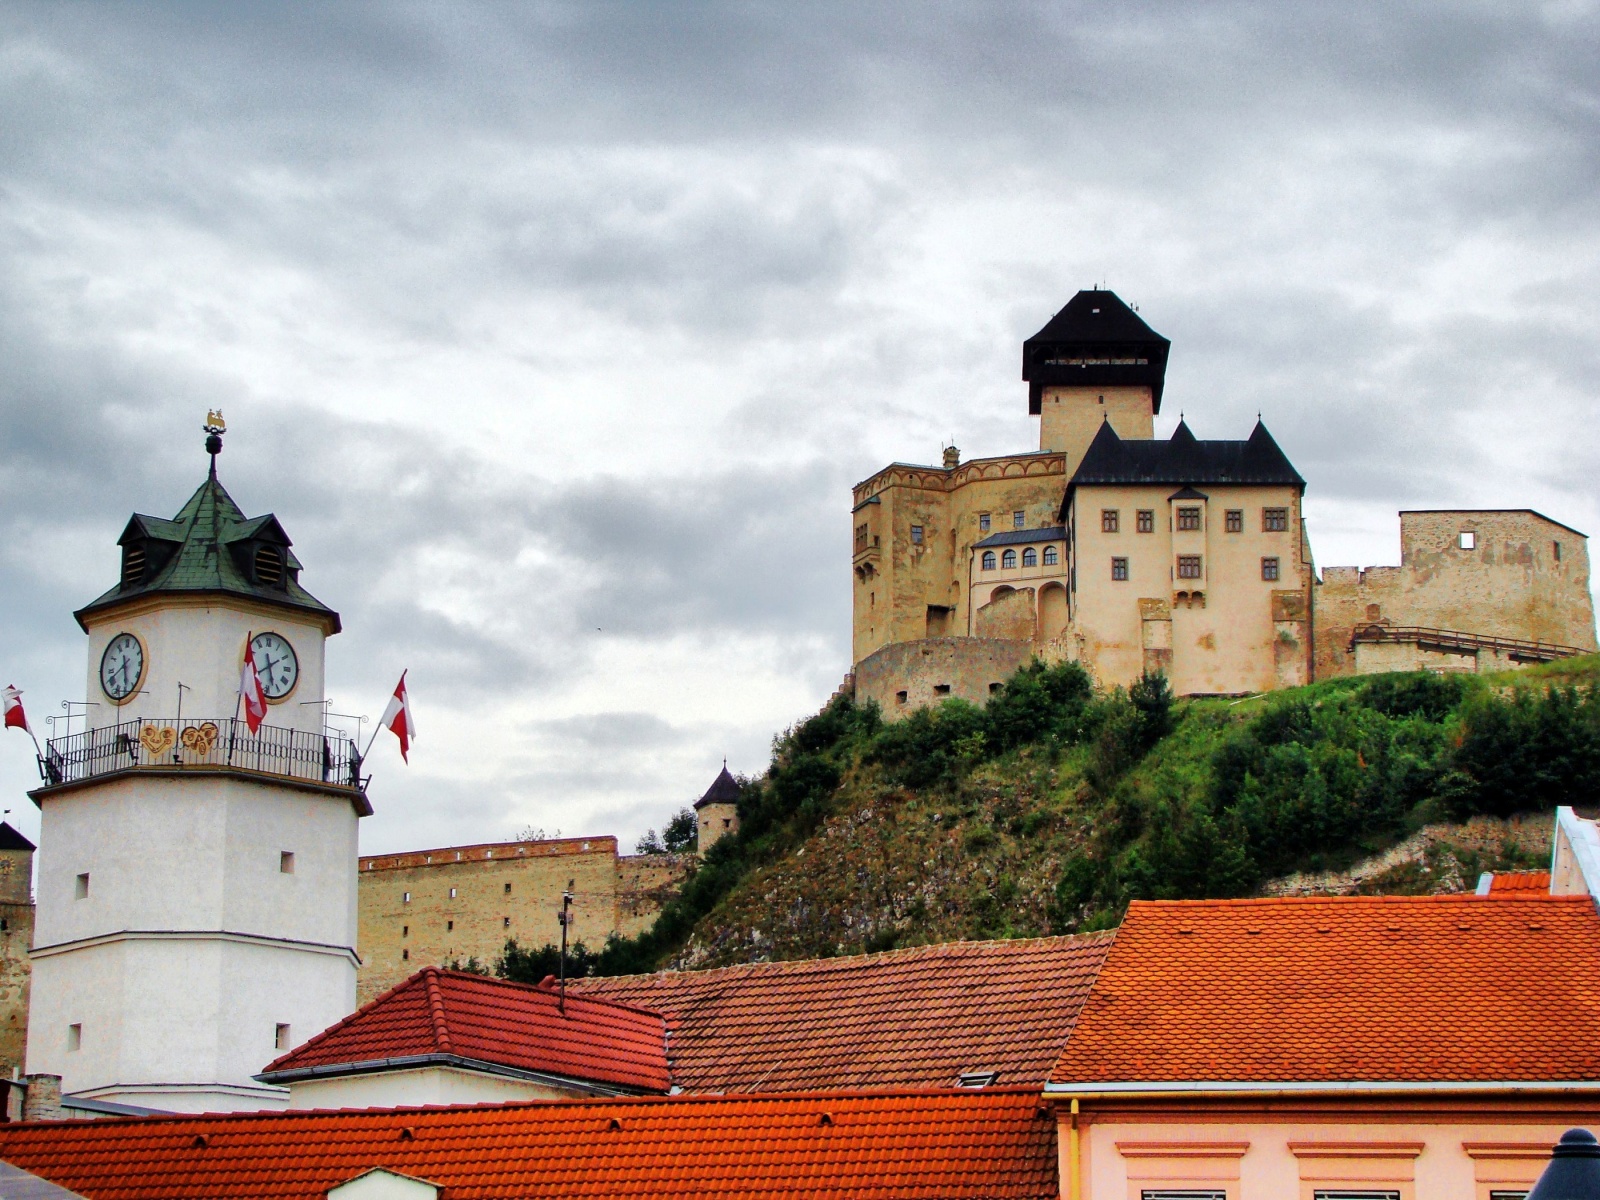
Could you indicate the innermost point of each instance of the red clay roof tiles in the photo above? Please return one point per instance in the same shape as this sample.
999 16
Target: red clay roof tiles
1361 989
1519 882
906 1018
437 1012
996 1144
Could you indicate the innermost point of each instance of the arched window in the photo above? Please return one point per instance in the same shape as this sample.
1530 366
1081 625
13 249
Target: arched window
1030 557
988 560
1050 556
1008 560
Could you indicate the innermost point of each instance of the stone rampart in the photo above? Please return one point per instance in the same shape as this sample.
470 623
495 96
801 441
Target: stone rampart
905 676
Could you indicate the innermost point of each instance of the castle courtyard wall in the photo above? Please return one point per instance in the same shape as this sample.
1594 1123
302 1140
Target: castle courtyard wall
911 675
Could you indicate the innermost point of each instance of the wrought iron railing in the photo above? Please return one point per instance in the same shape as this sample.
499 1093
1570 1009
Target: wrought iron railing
155 743
1454 641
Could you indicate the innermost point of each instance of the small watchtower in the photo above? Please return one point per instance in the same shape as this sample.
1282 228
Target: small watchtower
1094 361
717 812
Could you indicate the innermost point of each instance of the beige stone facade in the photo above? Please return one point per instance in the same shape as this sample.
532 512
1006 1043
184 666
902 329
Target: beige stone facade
1503 578
16 939
430 907
1190 557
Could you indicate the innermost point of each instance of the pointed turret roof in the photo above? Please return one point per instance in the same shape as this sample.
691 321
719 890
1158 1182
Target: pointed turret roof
1095 340
724 789
10 839
1184 460
208 549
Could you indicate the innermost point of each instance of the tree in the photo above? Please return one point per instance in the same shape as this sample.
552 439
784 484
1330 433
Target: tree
650 843
680 835
535 966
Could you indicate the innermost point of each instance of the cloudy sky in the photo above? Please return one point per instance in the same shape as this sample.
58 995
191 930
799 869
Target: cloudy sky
555 334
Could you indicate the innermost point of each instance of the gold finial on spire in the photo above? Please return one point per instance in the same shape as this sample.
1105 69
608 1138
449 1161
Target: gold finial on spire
214 422
215 427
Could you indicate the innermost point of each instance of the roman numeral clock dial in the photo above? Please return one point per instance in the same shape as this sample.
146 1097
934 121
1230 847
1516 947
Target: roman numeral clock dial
122 668
275 663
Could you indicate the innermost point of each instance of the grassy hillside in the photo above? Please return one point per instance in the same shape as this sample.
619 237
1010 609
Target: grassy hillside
1053 807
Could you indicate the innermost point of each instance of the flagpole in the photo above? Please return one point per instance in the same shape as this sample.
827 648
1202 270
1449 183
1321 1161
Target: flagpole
238 693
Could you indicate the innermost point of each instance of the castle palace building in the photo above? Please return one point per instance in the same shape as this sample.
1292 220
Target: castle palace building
1185 556
196 908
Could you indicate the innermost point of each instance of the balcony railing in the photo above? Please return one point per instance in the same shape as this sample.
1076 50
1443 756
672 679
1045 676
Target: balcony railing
1454 641
169 745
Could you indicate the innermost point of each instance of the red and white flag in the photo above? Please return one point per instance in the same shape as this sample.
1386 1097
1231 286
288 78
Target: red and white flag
251 693
15 718
397 718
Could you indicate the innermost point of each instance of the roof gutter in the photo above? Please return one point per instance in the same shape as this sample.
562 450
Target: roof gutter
407 1062
1216 1089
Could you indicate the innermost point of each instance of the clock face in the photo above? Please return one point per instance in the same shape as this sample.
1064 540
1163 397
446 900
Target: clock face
122 667
275 663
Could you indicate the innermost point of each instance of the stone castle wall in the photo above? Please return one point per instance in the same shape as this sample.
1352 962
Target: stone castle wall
16 939
910 675
430 907
1525 577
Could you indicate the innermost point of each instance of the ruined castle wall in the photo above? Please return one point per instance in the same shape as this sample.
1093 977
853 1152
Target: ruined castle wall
430 907
1524 577
16 939
909 675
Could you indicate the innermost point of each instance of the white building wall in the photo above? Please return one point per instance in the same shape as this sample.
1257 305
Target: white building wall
202 647
424 1085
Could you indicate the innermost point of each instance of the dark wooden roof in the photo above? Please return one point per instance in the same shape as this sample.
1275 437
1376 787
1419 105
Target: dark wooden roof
1184 460
10 839
724 789
1096 340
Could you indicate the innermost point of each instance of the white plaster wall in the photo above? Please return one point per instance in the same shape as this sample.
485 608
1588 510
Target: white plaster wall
203 648
172 1018
197 853
425 1085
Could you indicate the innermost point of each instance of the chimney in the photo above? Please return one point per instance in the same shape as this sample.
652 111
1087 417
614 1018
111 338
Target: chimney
43 1099
952 458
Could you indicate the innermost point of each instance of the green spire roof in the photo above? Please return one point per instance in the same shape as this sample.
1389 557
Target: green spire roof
210 548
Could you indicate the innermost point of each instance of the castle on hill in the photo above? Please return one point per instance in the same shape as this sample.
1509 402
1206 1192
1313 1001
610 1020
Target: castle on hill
1186 556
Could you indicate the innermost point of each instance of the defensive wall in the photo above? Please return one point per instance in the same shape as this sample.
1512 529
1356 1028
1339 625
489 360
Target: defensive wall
429 907
16 939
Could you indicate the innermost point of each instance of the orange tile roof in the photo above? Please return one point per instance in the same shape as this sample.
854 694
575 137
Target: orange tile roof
441 1015
906 1018
1350 988
996 1144
1519 882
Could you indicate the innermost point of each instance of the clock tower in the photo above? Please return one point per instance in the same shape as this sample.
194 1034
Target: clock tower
197 881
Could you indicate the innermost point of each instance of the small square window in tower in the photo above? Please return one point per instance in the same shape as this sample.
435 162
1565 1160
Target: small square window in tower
1119 569
286 862
983 522
1468 540
1110 518
1274 520
75 1036
1269 569
1146 520
280 1036
916 535
1189 517
80 888
1233 520
1019 520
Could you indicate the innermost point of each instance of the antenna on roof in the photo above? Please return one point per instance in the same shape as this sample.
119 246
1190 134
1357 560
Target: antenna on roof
565 917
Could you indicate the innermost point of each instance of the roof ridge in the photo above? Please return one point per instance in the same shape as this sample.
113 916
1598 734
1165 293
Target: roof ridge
843 961
1420 901
441 1031
495 981
344 1022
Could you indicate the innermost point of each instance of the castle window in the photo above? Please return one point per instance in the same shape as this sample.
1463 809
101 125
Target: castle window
983 522
1555 548
1274 520
899 697
449 926
81 888
1233 520
1019 519
406 898
269 566
1189 517
133 561
286 862
280 1036
1051 556
1008 559
405 931
1119 569
75 1036
1109 520
405 956
1468 540
861 538
505 922
916 535
452 893
508 889
988 560
1269 569
1188 566
941 689
1146 520
1030 557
